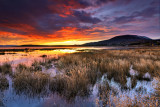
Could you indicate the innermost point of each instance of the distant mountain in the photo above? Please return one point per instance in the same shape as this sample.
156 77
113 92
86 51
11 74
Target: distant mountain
122 40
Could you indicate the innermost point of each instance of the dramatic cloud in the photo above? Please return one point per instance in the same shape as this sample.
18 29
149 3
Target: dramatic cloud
46 21
85 17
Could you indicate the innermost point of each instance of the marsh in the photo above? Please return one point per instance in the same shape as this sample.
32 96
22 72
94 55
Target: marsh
90 77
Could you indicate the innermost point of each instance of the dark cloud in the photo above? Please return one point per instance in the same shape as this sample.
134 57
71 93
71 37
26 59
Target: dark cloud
86 17
13 30
17 14
142 15
22 11
51 23
99 2
84 3
155 3
45 16
124 19
148 12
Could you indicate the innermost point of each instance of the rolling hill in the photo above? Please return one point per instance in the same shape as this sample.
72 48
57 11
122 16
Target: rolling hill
123 40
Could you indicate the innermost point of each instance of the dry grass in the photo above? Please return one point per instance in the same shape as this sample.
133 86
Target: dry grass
75 83
4 84
6 69
114 63
104 93
31 84
81 70
107 98
36 66
21 68
158 90
133 82
117 69
139 101
46 62
144 66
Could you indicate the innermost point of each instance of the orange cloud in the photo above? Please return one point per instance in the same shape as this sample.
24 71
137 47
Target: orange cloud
64 36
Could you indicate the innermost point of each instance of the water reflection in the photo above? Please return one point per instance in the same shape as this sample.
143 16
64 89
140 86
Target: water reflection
29 57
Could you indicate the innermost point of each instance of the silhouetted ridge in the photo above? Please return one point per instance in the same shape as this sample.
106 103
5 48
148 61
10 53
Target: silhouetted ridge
121 40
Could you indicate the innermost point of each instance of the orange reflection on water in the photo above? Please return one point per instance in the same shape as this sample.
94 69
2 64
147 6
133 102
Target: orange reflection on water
29 57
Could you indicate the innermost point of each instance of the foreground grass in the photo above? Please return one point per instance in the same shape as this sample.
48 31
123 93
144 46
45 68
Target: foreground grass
4 84
80 71
6 69
31 84
116 64
75 83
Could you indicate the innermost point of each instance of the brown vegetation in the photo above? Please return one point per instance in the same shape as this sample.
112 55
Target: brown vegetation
114 63
80 71
4 84
31 84
6 69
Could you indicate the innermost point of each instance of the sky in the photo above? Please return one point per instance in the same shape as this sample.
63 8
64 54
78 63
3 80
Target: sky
73 22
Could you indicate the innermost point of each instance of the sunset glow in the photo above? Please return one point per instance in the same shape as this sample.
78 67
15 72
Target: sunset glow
73 22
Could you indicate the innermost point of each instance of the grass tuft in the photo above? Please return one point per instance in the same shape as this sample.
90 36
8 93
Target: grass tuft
6 68
31 84
4 84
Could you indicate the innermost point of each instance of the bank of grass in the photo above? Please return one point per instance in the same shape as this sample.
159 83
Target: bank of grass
147 65
115 63
81 70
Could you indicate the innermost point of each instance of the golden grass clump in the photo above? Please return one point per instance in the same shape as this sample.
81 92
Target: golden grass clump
79 62
143 66
117 69
21 68
71 85
31 84
36 66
